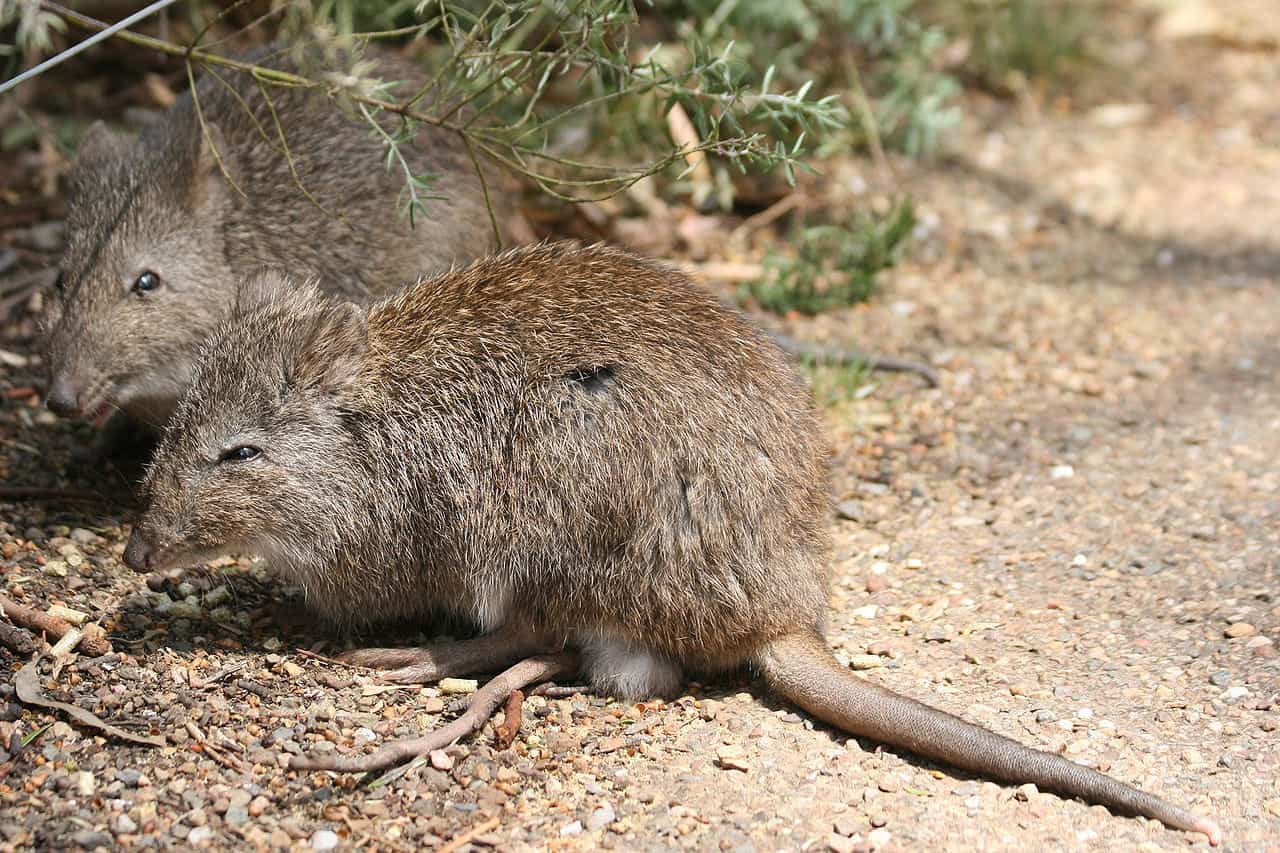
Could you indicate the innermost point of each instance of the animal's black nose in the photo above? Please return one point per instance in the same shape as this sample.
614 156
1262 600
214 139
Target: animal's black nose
63 397
138 554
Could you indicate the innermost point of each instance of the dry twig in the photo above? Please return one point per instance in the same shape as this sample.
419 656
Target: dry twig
460 841
34 620
506 731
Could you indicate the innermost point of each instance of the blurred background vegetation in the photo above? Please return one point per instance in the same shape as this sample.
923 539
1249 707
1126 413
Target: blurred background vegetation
584 98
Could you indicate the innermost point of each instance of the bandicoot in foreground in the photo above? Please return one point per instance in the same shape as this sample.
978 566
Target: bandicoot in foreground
577 449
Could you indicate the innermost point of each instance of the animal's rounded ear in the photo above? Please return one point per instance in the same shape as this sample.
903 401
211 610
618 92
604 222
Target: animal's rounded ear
99 143
337 346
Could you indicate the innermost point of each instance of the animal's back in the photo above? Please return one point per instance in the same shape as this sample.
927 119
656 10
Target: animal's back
312 194
614 443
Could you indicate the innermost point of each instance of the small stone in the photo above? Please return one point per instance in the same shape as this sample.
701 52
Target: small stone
88 839
569 829
57 568
879 820
601 817
441 760
258 806
292 669
324 839
1240 629
866 662
888 784
199 835
732 757
1027 793
457 685
1221 678
131 778
879 838
838 843
432 705
1237 692
850 511
1062 472
846 825
876 583
237 816
124 825
1192 756
85 783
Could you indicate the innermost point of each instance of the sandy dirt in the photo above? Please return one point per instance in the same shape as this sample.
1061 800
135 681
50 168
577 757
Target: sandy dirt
1072 541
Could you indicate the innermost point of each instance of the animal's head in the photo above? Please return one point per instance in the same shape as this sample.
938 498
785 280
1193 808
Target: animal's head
259 456
143 277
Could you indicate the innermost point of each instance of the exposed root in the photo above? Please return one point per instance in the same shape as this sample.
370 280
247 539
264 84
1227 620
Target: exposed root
484 703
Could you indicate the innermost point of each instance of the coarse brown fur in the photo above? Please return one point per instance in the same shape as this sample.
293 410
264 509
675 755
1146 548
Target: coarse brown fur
574 447
207 194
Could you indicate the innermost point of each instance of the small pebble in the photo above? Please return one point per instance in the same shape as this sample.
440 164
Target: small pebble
569 829
1221 678
325 839
131 778
199 835
601 817
846 825
1240 629
441 760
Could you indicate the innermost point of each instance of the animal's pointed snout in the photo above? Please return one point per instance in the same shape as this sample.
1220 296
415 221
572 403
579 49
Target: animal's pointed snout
64 396
139 554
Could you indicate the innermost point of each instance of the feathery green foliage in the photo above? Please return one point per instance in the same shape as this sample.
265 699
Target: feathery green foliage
833 266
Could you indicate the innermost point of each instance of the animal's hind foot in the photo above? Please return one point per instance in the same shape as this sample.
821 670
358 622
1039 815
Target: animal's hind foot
484 703
425 664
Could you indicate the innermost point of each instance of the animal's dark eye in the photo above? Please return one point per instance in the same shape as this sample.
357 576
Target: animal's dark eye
61 281
242 453
146 282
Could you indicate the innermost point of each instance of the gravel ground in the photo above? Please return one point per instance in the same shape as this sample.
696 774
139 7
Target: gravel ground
1072 541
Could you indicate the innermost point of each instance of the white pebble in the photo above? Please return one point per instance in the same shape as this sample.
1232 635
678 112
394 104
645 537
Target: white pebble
574 828
1062 472
325 839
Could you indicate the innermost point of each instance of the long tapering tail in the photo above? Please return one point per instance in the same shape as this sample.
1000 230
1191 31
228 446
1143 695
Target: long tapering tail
801 668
